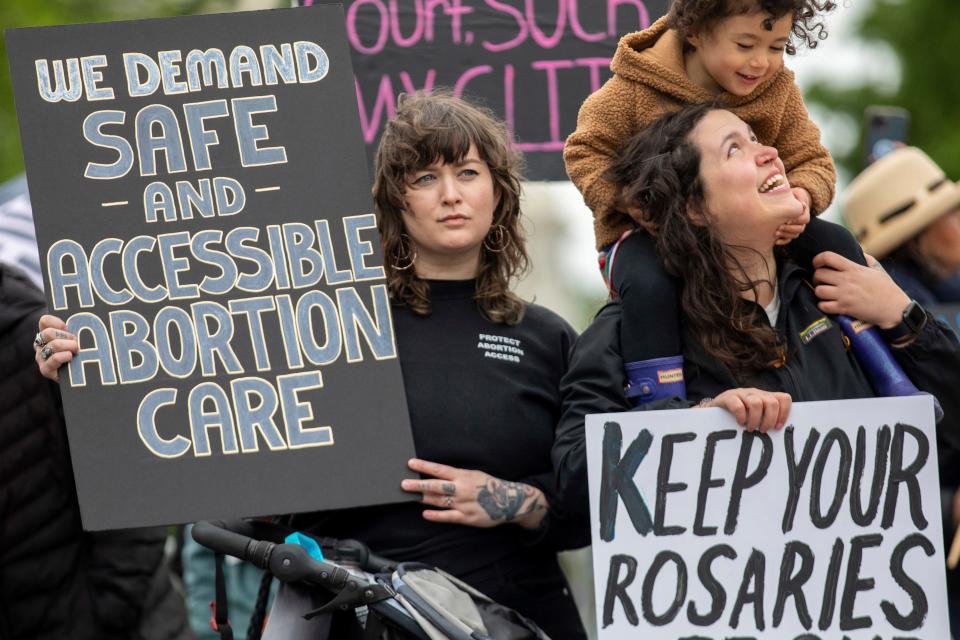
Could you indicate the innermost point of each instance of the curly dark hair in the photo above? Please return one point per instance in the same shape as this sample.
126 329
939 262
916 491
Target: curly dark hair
658 172
429 127
691 16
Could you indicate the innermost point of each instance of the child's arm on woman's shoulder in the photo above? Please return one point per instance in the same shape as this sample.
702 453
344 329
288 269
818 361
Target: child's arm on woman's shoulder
605 122
807 161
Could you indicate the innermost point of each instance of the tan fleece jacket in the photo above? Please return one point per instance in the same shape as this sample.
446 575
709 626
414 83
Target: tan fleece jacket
649 80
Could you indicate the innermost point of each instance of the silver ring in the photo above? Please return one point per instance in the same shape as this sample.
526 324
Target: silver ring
46 352
39 341
448 502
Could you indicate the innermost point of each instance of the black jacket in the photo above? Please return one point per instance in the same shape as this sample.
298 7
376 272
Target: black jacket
56 581
818 367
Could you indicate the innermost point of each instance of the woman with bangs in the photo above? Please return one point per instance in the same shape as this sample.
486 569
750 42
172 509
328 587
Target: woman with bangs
481 367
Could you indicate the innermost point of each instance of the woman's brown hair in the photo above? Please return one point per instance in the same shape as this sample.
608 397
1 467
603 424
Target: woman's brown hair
658 172
435 127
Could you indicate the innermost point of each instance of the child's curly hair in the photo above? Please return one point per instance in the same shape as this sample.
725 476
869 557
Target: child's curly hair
691 16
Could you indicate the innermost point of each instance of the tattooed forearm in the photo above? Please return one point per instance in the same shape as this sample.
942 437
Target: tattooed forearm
503 500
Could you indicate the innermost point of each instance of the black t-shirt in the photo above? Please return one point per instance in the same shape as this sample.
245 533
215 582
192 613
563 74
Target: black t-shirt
481 396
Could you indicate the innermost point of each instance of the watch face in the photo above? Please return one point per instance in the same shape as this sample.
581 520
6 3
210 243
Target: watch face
913 316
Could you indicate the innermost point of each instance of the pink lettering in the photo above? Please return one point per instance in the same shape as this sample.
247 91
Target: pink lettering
455 14
469 75
428 81
384 102
594 64
553 102
578 29
538 36
352 35
556 145
612 5
508 74
395 25
521 23
452 8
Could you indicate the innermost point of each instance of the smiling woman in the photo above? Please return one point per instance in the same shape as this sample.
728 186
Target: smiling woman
758 328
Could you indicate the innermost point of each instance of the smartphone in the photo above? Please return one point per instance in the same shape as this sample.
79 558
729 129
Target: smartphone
886 130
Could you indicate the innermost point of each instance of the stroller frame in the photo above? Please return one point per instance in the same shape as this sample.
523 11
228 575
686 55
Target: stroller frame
291 563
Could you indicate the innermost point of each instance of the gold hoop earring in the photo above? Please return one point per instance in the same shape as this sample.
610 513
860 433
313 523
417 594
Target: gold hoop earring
407 253
497 239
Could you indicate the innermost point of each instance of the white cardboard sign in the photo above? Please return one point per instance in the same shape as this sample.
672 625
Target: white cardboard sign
827 529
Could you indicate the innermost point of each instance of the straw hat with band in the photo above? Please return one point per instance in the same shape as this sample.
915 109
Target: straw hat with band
897 197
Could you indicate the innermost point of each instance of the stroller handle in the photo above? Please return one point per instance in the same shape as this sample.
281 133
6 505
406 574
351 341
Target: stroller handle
223 537
288 562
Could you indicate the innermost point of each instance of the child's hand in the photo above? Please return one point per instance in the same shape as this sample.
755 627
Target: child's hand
791 230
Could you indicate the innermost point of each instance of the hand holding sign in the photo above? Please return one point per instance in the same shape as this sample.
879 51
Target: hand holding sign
753 408
58 348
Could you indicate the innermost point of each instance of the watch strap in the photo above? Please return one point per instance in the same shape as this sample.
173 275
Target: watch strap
913 320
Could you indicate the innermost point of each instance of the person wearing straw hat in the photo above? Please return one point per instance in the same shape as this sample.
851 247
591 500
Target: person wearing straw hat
906 213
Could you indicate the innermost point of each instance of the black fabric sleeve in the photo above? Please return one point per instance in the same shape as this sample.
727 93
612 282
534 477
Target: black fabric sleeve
121 568
932 362
559 530
593 384
649 297
820 236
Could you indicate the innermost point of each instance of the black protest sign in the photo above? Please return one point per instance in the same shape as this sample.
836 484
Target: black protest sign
203 213
828 528
532 61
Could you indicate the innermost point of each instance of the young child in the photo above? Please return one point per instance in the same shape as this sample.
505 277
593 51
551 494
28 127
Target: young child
729 51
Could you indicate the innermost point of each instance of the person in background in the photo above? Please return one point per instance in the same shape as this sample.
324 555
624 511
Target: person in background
906 213
241 579
481 368
56 580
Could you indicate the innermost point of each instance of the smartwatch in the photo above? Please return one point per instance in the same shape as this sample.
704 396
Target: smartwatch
911 324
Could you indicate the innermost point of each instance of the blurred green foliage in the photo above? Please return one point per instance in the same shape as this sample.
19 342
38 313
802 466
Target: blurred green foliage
924 35
31 13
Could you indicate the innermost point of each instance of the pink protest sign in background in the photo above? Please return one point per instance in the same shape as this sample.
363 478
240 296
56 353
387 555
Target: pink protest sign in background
532 61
